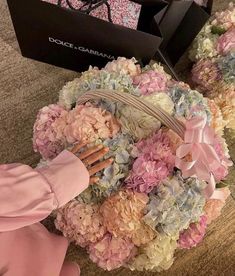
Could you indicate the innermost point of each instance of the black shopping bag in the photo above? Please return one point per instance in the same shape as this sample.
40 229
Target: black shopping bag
75 40
179 23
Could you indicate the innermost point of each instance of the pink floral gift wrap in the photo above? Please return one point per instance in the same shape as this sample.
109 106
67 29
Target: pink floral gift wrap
122 12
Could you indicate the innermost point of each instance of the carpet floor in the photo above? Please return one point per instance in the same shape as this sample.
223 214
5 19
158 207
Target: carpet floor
25 87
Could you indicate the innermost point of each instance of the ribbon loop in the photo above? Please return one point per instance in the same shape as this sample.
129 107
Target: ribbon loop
198 144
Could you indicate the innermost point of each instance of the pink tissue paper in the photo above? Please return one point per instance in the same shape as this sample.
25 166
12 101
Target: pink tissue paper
123 12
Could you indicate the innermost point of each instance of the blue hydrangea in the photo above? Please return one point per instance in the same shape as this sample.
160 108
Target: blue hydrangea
226 65
95 79
111 178
189 103
107 80
175 204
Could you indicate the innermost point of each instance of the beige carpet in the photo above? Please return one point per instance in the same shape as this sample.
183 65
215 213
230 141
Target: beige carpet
25 87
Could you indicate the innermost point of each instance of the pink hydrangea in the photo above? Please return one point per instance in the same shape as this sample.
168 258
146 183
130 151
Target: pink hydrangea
44 136
224 96
122 214
226 42
225 19
213 207
222 171
124 66
111 252
80 222
86 123
150 82
155 162
205 73
193 235
217 121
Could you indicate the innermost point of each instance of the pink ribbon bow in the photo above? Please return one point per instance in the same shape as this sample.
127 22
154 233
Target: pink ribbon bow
199 143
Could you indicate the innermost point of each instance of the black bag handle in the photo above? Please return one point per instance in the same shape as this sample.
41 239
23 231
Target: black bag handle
89 6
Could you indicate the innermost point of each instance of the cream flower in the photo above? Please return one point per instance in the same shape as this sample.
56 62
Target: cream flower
143 235
226 102
73 89
123 66
162 100
204 45
139 124
158 255
217 121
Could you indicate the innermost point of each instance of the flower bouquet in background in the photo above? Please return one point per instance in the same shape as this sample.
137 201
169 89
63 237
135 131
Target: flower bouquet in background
213 52
161 192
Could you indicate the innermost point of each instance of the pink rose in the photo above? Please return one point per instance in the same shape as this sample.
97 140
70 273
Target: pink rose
226 42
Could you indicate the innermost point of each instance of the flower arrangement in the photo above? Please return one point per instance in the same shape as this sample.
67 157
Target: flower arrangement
213 73
152 200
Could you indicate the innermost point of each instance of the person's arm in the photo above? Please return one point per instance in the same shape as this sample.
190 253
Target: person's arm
27 196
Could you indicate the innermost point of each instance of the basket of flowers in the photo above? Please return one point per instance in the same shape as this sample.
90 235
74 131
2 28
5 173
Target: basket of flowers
169 157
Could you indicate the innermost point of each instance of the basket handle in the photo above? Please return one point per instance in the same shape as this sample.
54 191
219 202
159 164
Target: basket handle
138 103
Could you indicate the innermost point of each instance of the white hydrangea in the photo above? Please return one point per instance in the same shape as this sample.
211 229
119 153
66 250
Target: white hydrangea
204 45
73 89
158 255
124 66
139 124
69 93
